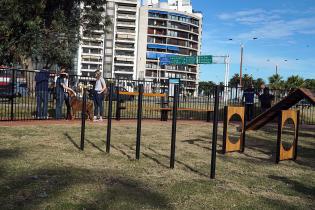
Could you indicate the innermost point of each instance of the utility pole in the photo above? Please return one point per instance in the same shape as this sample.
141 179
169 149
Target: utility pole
241 66
276 69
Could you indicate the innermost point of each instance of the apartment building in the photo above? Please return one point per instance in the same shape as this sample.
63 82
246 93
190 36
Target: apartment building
168 29
121 42
114 50
90 55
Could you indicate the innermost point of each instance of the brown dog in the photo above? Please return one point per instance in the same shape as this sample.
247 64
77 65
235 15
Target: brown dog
76 105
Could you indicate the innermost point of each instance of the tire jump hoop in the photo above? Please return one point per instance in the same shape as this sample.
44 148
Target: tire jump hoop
282 152
228 145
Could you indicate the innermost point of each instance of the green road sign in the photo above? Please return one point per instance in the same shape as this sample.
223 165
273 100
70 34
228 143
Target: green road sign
205 59
185 60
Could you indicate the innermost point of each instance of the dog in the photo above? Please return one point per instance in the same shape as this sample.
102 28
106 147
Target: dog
76 105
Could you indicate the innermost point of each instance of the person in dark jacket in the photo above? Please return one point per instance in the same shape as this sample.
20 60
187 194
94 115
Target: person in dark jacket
266 99
249 96
41 91
61 91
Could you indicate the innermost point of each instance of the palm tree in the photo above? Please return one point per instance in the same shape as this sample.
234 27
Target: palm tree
276 82
247 80
294 82
309 83
235 80
258 83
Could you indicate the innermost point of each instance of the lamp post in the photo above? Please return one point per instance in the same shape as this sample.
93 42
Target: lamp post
277 65
241 59
241 65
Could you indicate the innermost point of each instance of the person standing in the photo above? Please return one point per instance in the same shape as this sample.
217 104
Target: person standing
249 96
41 91
98 96
61 88
66 96
266 99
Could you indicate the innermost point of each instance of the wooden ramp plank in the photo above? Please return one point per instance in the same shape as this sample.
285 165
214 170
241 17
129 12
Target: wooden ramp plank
286 103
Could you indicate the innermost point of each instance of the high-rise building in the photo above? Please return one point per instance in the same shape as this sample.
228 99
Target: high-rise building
114 51
138 37
168 29
121 41
90 56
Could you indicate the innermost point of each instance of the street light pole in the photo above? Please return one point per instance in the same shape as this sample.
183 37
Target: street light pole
241 65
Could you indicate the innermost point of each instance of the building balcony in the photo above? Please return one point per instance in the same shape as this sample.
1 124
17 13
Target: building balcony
117 63
92 46
125 8
130 49
127 25
125 40
173 37
92 54
125 31
123 72
125 16
91 62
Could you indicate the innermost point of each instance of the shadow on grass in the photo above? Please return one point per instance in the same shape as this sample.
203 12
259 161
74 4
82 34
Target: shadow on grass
295 185
179 162
110 192
268 203
122 152
9 153
94 145
194 142
69 138
147 156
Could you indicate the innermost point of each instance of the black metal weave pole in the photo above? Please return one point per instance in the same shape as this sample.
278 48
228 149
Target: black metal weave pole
139 119
83 115
118 103
109 119
13 94
215 133
174 122
296 135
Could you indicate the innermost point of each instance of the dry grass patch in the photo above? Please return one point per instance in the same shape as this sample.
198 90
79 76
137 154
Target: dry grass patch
42 168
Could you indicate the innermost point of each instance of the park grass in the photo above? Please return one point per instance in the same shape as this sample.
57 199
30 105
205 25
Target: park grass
42 167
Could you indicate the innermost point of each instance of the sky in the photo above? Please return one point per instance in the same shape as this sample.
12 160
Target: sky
285 32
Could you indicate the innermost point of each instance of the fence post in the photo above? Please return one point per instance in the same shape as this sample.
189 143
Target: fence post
215 133
109 119
118 114
139 119
174 122
13 94
83 114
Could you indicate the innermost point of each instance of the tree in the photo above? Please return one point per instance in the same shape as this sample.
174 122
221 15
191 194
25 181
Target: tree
294 82
247 80
235 80
258 83
206 87
276 82
45 30
309 83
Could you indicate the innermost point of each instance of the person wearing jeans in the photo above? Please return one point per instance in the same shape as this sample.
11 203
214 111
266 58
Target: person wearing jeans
249 96
98 96
41 91
61 87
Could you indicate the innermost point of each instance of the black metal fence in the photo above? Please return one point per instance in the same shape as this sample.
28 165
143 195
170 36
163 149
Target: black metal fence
18 99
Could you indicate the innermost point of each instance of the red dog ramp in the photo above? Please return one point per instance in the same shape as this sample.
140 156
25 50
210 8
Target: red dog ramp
286 103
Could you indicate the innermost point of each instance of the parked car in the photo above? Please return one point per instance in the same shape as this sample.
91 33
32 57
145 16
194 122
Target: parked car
20 90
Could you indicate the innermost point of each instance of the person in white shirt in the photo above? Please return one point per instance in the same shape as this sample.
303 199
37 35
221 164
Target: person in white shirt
99 92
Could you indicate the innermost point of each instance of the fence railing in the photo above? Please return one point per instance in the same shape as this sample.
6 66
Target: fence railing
19 99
